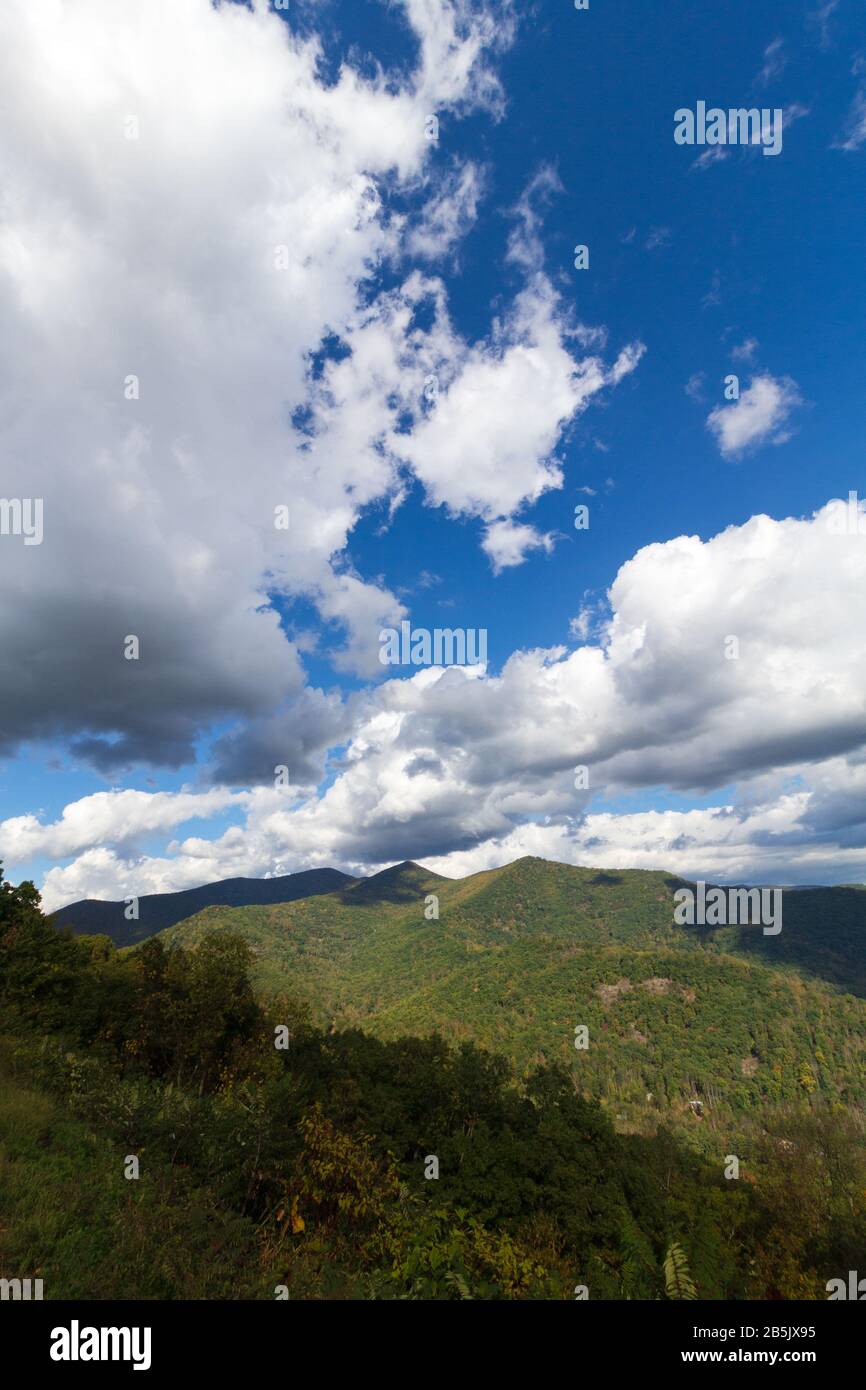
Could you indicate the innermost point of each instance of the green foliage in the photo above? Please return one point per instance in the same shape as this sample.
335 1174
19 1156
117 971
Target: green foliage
639 1274
306 1167
69 1217
678 1282
519 955
448 1254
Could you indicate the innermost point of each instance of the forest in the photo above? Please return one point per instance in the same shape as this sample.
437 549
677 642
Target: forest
277 1158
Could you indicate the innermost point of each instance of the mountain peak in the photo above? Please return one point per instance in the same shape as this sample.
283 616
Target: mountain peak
398 883
407 868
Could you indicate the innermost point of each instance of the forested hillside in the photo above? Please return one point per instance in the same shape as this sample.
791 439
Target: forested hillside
275 1156
520 956
130 921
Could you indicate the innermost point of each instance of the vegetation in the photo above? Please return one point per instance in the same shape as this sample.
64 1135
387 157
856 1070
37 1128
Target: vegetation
737 1021
154 912
307 1170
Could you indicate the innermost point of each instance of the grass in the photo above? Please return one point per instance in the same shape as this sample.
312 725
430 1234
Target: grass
68 1215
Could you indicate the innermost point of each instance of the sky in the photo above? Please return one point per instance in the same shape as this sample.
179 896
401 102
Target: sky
297 346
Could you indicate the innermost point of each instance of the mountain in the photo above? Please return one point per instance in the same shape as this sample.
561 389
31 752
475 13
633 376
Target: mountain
521 956
157 911
306 1163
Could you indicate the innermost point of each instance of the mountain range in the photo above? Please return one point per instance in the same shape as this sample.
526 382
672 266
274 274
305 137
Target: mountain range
682 1022
588 1071
156 911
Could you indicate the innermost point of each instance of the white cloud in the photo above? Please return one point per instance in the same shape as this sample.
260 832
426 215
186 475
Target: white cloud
765 843
820 19
713 154
854 134
758 417
464 766
694 387
487 449
745 351
775 62
455 36
108 817
586 620
761 136
508 543
794 111
209 257
448 214
525 245
103 873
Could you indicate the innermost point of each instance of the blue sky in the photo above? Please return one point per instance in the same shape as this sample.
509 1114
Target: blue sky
593 94
747 264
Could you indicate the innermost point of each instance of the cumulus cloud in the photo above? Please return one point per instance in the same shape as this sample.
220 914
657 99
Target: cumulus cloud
114 817
198 257
213 322
464 766
297 736
504 410
184 222
103 873
508 543
771 842
758 417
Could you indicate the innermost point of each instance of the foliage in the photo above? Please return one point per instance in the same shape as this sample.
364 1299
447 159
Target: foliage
519 955
308 1167
678 1281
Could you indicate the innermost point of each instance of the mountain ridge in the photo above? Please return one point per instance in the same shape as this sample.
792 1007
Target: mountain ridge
516 958
159 911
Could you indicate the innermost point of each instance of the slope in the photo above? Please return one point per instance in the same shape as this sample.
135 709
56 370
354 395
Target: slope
157 911
521 956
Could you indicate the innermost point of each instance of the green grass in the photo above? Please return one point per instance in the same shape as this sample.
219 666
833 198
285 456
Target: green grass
68 1216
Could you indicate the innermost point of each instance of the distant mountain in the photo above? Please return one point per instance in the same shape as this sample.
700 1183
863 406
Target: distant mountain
157 911
521 956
